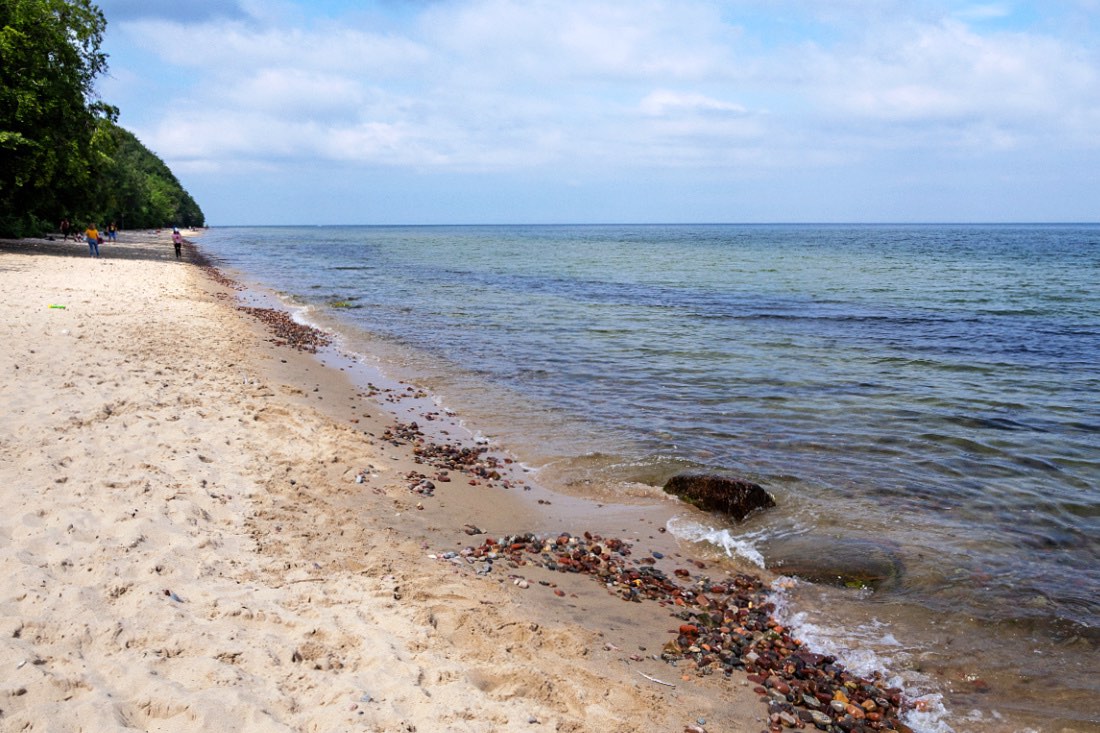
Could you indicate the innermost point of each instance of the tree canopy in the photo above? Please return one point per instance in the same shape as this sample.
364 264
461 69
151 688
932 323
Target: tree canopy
61 153
137 190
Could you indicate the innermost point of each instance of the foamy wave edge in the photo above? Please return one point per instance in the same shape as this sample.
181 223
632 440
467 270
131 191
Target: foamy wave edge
929 716
741 547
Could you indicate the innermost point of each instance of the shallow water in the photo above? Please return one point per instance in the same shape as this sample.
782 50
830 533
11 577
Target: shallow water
935 388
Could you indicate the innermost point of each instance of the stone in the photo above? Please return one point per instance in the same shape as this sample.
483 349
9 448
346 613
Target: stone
734 497
839 561
720 628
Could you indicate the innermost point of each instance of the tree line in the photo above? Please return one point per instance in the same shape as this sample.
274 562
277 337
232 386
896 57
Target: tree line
62 153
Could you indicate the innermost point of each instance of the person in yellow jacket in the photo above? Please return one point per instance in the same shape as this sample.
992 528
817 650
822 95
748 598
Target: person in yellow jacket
92 235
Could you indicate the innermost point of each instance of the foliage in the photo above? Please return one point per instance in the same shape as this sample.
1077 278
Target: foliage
138 191
61 154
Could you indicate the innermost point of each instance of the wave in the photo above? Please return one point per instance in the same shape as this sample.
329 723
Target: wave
742 547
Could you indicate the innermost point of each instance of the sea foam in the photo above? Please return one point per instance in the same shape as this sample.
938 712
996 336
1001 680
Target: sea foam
741 546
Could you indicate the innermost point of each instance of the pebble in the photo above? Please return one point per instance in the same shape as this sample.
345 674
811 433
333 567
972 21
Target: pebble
725 626
474 461
287 331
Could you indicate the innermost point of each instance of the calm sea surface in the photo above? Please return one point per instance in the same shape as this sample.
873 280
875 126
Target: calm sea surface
933 388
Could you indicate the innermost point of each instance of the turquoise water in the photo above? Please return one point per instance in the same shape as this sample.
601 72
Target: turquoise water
936 386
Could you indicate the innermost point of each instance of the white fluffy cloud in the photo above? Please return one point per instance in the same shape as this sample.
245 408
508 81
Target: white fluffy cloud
947 71
504 84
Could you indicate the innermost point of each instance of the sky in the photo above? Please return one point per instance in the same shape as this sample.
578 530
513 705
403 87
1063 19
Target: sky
615 111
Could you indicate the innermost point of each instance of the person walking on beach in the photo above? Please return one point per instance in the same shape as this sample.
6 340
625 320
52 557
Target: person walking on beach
112 232
177 240
92 235
66 230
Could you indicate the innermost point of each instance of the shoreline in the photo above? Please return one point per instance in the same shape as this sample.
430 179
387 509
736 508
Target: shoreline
204 523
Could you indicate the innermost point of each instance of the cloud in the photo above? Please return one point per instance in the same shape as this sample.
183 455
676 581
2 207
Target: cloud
947 74
297 94
545 40
230 48
611 85
663 102
987 11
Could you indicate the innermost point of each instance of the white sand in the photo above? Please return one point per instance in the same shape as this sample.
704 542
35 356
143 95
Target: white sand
183 545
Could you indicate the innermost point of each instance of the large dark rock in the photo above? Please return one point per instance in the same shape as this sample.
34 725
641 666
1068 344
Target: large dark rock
840 561
713 493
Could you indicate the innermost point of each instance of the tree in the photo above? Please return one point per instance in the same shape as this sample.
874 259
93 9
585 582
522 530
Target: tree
61 153
138 190
49 59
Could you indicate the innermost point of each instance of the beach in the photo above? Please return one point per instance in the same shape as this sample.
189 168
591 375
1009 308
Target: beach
204 530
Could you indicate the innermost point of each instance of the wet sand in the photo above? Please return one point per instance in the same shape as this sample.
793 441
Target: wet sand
205 529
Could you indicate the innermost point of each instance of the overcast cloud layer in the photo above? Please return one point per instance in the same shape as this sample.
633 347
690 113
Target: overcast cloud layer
639 110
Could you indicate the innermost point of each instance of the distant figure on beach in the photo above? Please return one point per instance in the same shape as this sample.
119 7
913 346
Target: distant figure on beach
66 230
112 232
177 240
92 235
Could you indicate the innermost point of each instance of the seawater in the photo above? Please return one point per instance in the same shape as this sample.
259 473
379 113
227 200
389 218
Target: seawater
933 387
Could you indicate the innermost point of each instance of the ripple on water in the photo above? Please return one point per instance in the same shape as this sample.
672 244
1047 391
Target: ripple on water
934 385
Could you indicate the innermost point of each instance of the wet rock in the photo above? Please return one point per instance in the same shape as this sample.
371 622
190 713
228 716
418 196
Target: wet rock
844 562
714 493
722 628
287 331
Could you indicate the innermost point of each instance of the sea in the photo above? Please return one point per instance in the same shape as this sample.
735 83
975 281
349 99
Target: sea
930 392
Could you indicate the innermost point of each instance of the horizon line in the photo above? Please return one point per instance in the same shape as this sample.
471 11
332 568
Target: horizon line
681 223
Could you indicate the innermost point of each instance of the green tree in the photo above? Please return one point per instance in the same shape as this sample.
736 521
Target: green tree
61 153
138 191
49 116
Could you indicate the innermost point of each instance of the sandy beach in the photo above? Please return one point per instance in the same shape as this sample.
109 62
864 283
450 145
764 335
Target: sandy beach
205 530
